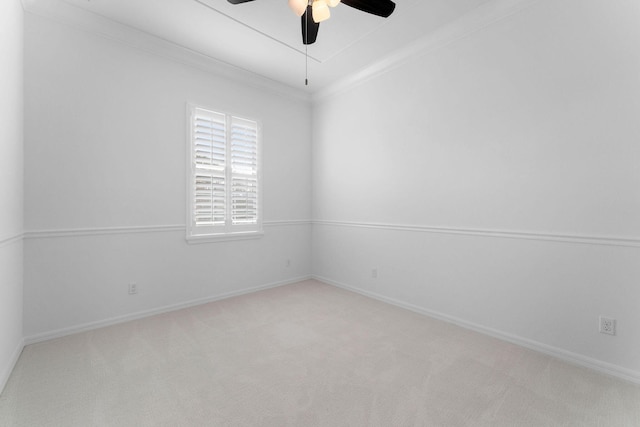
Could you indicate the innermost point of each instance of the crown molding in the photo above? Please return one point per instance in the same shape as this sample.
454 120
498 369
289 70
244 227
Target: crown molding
75 17
476 20
65 13
504 234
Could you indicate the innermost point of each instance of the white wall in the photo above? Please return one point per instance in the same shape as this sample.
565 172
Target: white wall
105 147
527 126
11 184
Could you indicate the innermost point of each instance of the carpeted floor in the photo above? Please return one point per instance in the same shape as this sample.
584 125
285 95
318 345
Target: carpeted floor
303 355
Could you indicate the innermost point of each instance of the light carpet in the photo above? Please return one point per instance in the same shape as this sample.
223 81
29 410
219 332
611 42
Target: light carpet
302 355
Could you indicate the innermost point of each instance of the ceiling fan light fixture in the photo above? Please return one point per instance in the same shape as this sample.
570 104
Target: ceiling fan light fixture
312 12
298 6
320 11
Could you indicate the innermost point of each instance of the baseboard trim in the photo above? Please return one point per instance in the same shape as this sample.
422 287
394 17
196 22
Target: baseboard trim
505 234
59 333
6 372
567 356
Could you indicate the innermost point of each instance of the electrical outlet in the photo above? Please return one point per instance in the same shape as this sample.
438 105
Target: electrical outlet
133 288
374 273
607 325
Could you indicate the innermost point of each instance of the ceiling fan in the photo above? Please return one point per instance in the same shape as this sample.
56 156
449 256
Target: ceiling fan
312 12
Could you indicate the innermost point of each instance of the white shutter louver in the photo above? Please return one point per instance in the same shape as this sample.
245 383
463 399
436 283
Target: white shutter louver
209 157
244 171
224 182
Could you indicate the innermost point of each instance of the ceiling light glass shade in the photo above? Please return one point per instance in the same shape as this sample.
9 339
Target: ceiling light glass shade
333 3
298 6
320 11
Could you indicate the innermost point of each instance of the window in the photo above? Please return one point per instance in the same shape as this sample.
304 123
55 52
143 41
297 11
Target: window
224 177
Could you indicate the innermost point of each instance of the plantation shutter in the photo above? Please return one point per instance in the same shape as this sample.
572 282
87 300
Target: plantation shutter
209 163
223 200
244 171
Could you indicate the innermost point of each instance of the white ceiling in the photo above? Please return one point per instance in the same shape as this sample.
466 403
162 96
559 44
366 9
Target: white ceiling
264 36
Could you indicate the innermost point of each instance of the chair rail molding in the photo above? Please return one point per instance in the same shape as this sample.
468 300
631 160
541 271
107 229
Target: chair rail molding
96 231
495 233
7 240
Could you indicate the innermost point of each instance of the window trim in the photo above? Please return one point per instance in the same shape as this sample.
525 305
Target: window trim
227 232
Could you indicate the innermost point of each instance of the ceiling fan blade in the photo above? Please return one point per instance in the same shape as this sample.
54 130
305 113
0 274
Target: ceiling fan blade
238 1
382 8
309 27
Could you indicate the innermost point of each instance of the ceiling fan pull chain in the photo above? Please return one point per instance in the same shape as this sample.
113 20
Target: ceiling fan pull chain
306 52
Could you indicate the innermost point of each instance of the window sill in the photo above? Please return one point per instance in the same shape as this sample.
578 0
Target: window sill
228 237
